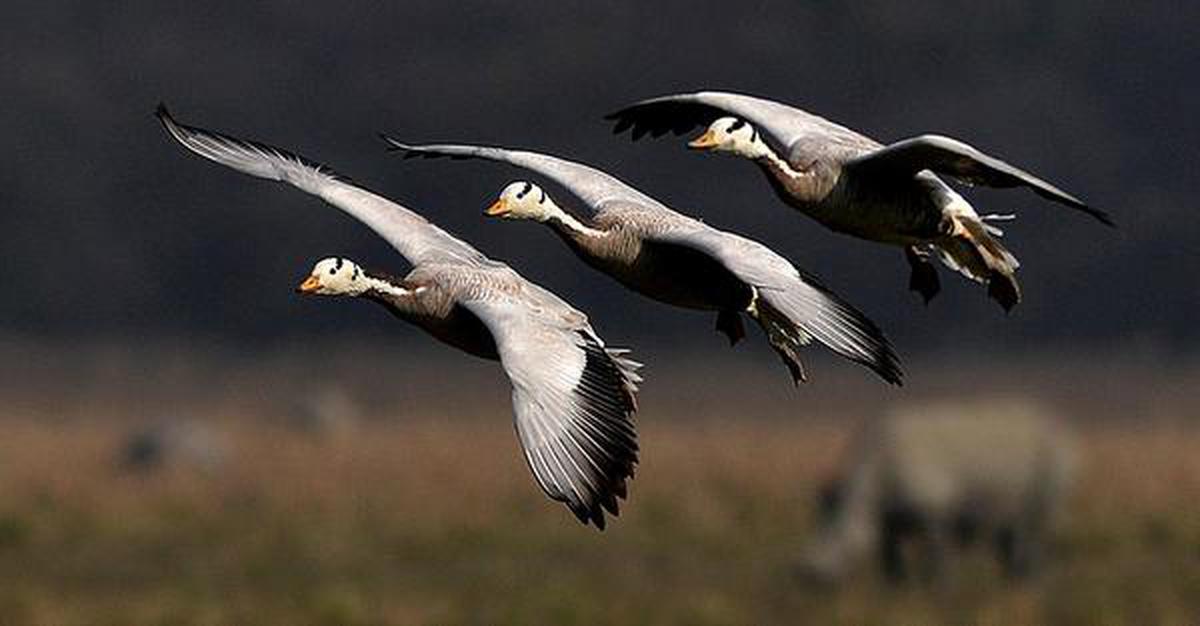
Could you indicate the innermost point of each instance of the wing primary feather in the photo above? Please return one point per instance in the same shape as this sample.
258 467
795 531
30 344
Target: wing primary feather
411 234
218 142
573 400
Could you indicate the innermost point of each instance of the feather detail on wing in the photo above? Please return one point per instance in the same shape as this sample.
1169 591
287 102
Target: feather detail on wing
573 400
589 184
781 124
815 310
958 160
412 235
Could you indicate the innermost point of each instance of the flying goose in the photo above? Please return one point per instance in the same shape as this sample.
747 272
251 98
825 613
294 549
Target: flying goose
572 396
857 186
679 260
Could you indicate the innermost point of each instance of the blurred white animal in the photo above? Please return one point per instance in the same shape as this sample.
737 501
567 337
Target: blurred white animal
944 475
325 411
175 442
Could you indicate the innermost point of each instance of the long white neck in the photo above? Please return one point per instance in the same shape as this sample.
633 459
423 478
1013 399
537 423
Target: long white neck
381 286
758 150
555 214
754 149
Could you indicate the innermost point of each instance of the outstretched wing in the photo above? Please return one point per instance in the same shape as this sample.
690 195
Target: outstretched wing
589 184
573 400
782 125
961 161
814 309
412 235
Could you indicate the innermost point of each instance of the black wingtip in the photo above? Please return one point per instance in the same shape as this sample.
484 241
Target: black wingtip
884 360
1102 216
589 516
161 112
394 145
887 366
886 363
621 121
1075 203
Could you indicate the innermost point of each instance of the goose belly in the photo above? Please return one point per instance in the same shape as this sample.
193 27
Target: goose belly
680 276
463 330
901 216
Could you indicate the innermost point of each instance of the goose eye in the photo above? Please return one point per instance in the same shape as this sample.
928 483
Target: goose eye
332 271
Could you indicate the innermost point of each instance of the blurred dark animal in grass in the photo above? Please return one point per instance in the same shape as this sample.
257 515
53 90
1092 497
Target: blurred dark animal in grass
929 479
183 443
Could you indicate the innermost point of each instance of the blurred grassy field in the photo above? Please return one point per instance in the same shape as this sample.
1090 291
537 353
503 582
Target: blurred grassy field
420 510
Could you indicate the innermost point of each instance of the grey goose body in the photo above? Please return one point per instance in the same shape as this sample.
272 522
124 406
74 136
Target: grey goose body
680 260
855 185
573 397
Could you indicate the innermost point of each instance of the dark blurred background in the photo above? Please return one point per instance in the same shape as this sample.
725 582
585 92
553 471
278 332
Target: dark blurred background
111 230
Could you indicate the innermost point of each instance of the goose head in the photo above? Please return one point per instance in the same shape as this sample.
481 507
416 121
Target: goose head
335 276
733 135
523 200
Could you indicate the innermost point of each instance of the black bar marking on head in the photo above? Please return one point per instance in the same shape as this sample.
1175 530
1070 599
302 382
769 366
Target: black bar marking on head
736 125
525 190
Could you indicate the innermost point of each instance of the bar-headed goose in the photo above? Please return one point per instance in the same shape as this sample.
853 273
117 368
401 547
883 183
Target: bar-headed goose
855 185
682 261
573 397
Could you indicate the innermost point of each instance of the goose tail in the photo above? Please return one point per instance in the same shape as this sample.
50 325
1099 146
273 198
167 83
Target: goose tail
973 249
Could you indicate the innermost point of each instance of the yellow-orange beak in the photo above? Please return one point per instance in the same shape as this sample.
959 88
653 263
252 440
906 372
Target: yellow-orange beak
499 208
310 284
703 142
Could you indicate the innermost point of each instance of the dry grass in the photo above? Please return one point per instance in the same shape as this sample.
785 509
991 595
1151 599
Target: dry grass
433 518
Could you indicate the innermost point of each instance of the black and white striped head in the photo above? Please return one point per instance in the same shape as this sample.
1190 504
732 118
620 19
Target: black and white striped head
730 134
335 276
522 200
